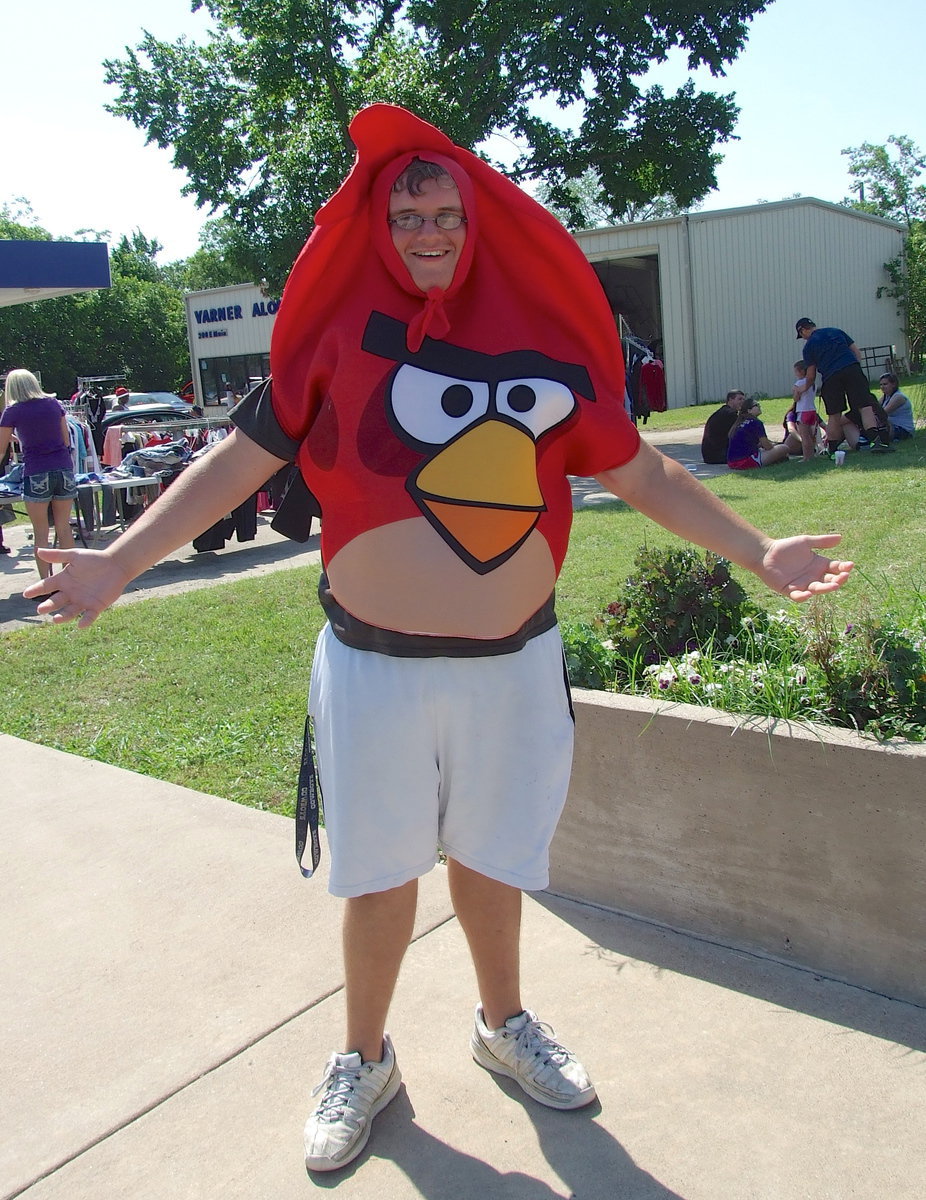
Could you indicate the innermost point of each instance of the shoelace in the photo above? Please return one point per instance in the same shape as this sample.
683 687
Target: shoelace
537 1038
338 1084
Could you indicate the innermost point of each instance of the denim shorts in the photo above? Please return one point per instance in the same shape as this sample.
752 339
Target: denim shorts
49 485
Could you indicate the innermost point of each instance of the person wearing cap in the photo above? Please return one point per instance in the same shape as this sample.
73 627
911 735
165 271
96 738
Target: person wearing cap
121 395
443 360
834 354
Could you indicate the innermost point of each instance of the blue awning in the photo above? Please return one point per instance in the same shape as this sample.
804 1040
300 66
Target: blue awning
39 270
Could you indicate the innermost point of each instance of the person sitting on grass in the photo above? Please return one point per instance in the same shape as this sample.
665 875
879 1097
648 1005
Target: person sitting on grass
897 408
717 428
748 445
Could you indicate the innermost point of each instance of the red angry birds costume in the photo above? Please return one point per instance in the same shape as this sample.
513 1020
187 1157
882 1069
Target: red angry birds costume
438 430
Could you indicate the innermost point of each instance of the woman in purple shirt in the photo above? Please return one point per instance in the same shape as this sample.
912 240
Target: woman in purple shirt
749 445
48 477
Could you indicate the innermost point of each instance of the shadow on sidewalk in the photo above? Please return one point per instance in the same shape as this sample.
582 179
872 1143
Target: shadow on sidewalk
590 1162
631 943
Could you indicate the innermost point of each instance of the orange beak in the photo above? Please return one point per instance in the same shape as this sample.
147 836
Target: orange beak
481 492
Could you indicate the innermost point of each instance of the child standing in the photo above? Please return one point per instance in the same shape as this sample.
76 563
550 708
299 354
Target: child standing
805 411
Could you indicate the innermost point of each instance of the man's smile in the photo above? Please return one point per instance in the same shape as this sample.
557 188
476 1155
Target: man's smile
429 252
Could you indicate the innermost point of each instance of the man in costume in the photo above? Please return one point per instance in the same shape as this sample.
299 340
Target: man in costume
443 359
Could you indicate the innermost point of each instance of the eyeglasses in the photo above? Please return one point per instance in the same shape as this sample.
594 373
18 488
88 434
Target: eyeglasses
444 220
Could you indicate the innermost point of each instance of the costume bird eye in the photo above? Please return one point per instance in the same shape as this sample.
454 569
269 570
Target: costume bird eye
537 404
434 408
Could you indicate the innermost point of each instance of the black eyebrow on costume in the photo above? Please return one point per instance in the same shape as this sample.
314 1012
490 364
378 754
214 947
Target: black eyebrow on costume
386 337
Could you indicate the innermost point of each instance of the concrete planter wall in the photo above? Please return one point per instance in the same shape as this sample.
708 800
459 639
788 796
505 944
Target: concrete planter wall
806 844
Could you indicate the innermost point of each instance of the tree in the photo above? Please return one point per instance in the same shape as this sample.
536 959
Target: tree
908 287
586 209
888 183
257 117
889 187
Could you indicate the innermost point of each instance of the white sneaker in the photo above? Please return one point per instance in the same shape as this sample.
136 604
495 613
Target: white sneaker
524 1049
353 1092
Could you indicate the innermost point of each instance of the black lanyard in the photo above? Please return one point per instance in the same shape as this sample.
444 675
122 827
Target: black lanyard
307 805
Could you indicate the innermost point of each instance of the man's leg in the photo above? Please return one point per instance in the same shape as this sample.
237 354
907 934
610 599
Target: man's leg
490 915
363 1078
377 930
835 403
508 1039
868 406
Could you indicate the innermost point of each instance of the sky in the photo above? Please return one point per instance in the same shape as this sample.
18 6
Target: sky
812 80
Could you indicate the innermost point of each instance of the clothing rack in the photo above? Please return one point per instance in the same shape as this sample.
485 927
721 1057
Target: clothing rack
180 423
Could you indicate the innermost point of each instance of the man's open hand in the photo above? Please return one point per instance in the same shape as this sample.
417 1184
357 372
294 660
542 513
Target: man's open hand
87 582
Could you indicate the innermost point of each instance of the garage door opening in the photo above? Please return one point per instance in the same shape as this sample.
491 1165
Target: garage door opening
632 287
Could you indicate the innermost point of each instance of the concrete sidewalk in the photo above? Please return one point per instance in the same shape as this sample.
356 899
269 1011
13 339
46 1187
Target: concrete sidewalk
172 988
183 571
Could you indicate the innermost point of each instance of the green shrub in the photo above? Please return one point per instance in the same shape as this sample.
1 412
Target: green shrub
684 629
675 600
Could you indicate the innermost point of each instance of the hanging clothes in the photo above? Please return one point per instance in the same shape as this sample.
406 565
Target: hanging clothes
240 523
653 384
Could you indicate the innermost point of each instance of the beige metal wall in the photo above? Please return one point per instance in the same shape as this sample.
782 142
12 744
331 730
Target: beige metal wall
734 282
756 270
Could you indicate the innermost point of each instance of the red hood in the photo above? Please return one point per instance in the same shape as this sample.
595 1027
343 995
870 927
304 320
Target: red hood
521 276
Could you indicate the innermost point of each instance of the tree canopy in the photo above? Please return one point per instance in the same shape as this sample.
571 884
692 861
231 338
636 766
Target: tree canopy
587 209
887 179
889 186
257 116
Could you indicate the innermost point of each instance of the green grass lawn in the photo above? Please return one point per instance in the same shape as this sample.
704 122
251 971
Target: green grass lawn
208 689
773 410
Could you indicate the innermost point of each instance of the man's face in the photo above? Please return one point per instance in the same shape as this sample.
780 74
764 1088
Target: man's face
429 252
805 331
736 400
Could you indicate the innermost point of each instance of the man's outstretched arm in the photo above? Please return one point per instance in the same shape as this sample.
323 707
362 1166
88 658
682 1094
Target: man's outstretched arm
664 491
90 580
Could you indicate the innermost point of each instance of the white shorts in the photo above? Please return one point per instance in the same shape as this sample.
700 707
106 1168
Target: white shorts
468 755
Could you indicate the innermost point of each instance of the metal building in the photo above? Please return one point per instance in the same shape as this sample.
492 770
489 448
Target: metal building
719 292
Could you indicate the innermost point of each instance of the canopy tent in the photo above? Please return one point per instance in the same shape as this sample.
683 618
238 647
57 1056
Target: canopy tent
39 270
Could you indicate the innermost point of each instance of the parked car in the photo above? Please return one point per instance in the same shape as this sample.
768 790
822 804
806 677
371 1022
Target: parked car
134 399
144 414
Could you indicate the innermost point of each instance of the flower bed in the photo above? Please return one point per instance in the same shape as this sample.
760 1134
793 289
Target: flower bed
684 629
